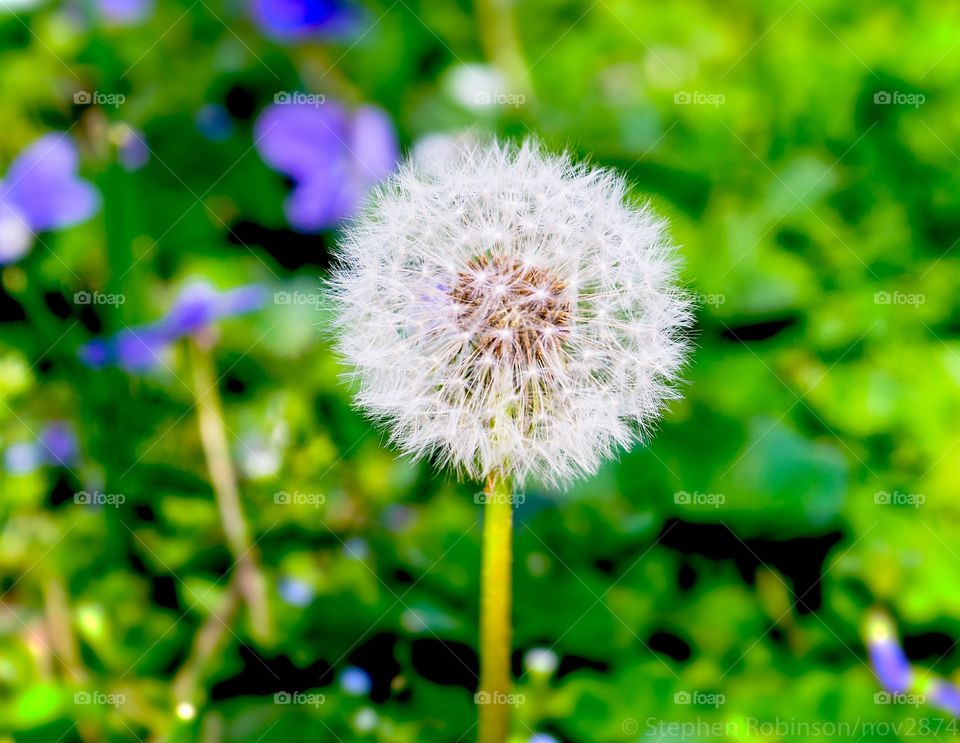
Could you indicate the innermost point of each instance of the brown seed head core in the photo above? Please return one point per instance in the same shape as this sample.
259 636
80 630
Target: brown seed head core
511 309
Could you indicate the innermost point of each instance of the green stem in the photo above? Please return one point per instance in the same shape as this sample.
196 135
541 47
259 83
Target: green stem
501 44
187 684
495 612
250 580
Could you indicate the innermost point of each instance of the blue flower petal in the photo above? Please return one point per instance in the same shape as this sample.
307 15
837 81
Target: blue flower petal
43 187
355 681
292 20
945 697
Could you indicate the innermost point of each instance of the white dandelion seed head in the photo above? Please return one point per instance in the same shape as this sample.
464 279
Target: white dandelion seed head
507 312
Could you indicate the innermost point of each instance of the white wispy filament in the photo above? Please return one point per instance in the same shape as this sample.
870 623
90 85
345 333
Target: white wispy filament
509 312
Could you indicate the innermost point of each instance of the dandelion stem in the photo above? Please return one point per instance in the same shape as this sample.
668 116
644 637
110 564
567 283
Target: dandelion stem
250 580
495 612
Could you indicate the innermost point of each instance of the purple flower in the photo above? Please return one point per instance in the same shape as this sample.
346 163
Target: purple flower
889 662
293 20
132 349
333 157
42 192
199 304
213 121
196 307
355 681
55 446
133 150
124 12
945 697
295 592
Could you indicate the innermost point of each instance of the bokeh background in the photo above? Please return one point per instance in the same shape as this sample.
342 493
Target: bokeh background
711 586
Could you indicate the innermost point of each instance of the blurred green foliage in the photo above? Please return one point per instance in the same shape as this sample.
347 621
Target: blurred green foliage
801 202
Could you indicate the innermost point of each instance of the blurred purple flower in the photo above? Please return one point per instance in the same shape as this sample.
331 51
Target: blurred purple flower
42 192
356 548
214 122
133 151
55 446
124 12
355 681
889 662
196 307
199 304
295 592
132 349
293 20
945 697
333 157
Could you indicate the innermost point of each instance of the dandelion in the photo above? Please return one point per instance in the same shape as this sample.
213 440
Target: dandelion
508 313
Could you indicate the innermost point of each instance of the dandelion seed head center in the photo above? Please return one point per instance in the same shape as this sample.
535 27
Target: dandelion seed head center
511 308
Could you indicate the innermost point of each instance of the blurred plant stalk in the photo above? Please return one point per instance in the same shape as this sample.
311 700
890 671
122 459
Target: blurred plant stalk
189 692
223 478
501 44
495 601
